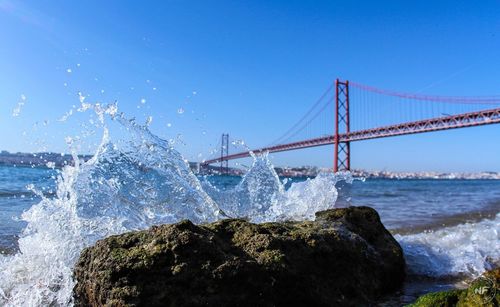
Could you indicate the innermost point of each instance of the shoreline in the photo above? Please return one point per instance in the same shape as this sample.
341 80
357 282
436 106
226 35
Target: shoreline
489 212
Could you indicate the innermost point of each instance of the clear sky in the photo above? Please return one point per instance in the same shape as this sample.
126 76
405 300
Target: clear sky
248 68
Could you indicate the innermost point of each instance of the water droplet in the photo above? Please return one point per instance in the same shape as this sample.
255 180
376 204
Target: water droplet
180 111
68 70
149 120
169 125
19 106
143 101
238 142
81 97
50 164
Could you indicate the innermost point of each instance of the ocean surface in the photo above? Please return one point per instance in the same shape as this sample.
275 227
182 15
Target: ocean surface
405 206
449 229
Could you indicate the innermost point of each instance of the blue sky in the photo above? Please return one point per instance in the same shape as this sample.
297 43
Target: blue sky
248 68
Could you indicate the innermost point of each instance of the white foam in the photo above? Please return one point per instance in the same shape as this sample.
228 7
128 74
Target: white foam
261 196
467 249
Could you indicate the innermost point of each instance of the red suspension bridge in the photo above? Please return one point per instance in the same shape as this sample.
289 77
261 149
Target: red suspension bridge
351 112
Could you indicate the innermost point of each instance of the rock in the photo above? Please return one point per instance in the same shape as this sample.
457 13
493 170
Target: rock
483 291
346 257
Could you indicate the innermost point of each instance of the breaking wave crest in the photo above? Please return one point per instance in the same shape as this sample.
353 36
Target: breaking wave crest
467 249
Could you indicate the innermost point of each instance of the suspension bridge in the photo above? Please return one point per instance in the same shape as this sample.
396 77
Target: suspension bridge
351 112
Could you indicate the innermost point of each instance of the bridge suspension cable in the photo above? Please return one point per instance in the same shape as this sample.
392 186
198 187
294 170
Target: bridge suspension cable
292 131
494 100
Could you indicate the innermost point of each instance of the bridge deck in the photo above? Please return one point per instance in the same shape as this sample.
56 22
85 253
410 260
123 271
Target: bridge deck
485 117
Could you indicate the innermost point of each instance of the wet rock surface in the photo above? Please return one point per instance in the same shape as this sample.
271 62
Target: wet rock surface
345 257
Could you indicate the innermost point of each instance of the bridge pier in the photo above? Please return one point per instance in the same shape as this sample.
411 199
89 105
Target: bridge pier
342 150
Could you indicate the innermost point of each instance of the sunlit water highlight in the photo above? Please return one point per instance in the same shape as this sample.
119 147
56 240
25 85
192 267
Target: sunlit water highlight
141 180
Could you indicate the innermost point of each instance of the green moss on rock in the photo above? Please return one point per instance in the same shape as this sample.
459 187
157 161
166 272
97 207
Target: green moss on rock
483 291
438 299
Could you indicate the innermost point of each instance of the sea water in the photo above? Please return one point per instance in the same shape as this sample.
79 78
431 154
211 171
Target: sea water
447 228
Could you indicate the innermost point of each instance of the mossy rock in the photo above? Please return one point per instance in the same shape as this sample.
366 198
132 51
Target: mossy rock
344 258
482 292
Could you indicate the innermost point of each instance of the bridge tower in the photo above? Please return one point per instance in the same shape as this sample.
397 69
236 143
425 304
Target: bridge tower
224 152
342 156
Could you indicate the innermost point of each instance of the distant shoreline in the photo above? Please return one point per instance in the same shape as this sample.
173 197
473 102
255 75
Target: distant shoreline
39 159
58 160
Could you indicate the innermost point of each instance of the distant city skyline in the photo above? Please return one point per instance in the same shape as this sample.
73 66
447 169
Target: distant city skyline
56 160
250 69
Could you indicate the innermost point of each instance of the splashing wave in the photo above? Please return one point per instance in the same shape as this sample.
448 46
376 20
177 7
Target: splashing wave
132 185
467 249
